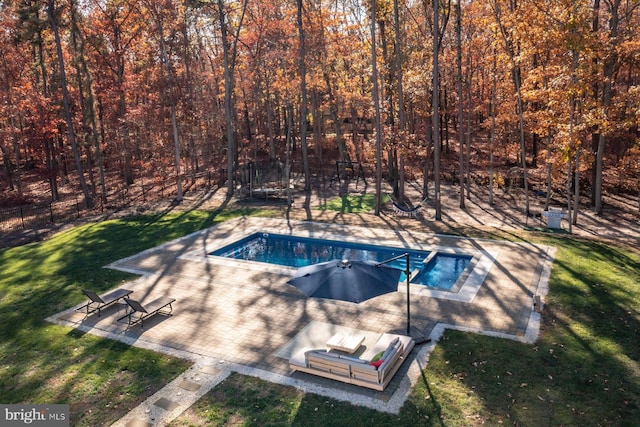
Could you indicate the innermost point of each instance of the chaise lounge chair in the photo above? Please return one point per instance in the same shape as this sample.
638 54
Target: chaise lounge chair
104 300
147 310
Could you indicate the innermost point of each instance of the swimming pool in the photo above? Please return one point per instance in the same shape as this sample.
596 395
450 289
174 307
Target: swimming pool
431 269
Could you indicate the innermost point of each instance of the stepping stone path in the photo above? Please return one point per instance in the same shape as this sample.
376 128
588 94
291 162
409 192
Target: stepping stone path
169 402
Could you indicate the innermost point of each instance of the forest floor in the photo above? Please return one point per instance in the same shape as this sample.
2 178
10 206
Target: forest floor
619 223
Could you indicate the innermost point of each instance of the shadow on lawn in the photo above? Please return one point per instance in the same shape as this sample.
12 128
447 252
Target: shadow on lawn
47 363
583 370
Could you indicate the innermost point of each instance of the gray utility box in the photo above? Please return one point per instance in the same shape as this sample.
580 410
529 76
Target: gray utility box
554 217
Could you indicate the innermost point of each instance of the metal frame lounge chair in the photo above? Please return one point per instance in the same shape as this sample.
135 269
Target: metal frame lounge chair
104 300
147 310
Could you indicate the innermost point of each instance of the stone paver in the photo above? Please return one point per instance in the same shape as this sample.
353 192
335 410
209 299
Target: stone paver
237 315
175 398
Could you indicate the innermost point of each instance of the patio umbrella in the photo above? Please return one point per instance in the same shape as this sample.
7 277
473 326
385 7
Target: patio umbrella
353 281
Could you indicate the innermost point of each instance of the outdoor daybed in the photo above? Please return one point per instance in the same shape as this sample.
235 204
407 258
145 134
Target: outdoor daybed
353 370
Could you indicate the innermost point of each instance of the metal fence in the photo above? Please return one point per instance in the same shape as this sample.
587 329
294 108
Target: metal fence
22 217
41 215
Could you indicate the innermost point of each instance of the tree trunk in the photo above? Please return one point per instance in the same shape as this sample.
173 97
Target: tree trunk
547 201
516 74
569 191
7 166
14 181
228 91
576 197
343 155
595 136
317 132
172 106
401 114
303 109
461 161
436 113
573 123
190 116
52 167
467 171
494 96
270 133
67 107
534 161
525 176
376 103
445 117
49 146
608 77
289 138
87 104
386 94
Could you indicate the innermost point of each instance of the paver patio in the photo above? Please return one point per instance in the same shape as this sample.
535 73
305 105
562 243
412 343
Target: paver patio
241 314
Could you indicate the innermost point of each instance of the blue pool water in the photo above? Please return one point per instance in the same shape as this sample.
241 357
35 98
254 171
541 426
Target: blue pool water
441 271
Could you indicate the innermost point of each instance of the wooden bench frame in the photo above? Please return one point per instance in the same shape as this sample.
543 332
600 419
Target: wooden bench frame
353 370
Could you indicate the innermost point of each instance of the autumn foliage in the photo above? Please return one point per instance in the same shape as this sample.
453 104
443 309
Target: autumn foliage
146 88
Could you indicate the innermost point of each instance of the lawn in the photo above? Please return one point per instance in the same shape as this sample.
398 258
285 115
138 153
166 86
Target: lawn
582 371
349 203
44 363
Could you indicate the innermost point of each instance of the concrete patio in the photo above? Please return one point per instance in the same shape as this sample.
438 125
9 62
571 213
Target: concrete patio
242 316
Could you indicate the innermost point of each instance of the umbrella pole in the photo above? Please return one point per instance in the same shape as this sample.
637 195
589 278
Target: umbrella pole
417 336
408 274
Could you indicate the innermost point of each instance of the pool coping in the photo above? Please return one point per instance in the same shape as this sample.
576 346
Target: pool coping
464 290
419 362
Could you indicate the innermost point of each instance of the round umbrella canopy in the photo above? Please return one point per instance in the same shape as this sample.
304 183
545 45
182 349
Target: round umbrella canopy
353 281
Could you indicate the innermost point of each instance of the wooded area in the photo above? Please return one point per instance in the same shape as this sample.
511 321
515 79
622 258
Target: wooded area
545 92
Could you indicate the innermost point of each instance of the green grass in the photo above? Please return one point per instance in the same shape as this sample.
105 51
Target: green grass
582 371
43 363
361 203
249 401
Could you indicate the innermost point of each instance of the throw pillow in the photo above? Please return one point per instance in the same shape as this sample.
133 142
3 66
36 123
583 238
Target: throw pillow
377 356
377 363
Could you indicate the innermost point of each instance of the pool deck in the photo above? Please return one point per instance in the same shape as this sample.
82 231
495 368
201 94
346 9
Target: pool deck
240 316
